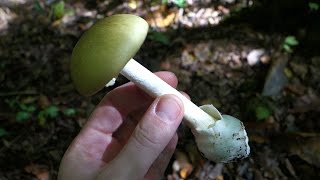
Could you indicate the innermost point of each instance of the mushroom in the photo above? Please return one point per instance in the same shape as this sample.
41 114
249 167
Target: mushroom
107 48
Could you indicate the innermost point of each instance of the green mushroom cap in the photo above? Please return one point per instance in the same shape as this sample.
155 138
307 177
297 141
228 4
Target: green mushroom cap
103 51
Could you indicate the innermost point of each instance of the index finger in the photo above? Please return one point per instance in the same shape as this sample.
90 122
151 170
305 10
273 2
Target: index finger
128 97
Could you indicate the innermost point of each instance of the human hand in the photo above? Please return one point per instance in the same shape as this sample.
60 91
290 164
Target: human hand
128 136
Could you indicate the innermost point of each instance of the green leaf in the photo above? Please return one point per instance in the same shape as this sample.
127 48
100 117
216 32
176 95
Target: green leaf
37 6
27 108
262 112
51 111
3 132
22 116
313 6
291 41
69 112
287 48
42 118
180 3
58 10
11 102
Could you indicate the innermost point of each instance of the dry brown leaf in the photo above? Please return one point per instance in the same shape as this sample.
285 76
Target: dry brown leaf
210 171
160 18
29 99
306 103
219 177
187 58
258 139
296 89
307 149
43 101
262 126
186 171
182 165
133 4
304 145
56 23
223 9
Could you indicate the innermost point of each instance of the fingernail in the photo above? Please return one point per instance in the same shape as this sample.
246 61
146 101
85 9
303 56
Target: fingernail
168 108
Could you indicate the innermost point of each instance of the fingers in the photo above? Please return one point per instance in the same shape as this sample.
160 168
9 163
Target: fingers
151 136
157 169
128 97
107 116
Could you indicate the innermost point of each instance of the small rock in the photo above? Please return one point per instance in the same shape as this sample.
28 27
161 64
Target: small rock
265 59
202 52
187 58
276 78
254 56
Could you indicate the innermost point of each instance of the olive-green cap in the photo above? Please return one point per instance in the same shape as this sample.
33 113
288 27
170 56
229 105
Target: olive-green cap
104 49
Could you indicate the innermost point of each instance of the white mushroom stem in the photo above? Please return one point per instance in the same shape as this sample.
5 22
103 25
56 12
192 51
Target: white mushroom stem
154 86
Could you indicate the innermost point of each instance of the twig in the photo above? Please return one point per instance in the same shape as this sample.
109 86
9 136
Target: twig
14 93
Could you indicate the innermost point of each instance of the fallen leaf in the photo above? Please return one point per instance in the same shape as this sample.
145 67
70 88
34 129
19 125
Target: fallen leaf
304 145
56 23
187 58
182 165
299 69
133 4
223 9
43 101
296 89
210 171
161 18
306 103
308 149
220 177
258 139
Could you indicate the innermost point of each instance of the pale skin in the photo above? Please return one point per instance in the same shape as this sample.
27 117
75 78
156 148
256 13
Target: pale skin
129 135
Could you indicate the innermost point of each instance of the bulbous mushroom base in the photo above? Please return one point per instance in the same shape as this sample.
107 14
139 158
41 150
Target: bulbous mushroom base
224 141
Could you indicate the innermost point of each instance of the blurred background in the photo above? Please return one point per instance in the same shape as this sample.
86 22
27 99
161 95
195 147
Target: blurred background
258 60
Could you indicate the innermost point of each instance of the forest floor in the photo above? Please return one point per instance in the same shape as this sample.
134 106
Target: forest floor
221 56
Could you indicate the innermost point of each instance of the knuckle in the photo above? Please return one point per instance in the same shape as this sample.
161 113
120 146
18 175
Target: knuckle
147 138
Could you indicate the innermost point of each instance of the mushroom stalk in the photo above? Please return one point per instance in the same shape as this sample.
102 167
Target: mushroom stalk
155 87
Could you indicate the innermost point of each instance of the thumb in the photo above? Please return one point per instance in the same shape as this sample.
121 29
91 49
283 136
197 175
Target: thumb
150 137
